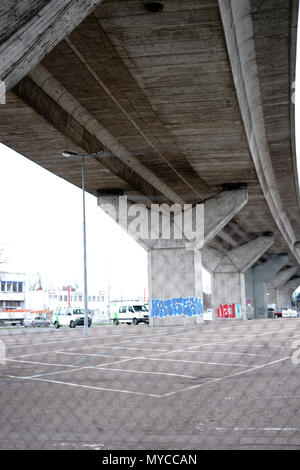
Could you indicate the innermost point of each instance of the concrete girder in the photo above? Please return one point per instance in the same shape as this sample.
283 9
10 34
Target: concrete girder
38 36
284 293
238 259
239 35
43 104
291 285
282 277
256 279
218 210
53 88
228 279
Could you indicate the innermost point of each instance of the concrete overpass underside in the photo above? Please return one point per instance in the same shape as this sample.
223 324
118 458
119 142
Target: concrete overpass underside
189 103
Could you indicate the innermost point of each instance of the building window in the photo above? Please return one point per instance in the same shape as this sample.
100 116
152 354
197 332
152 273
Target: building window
15 286
8 286
102 298
3 285
20 286
13 303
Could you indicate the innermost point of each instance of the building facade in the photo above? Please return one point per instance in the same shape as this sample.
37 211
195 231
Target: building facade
50 299
12 291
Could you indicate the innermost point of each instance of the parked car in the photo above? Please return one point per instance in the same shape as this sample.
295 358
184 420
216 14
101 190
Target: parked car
37 321
271 312
68 316
207 315
278 313
130 312
289 313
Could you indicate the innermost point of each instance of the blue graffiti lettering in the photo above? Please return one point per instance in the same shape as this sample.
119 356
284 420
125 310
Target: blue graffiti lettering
189 307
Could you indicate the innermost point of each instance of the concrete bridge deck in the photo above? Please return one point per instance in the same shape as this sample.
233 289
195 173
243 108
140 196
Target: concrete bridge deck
188 101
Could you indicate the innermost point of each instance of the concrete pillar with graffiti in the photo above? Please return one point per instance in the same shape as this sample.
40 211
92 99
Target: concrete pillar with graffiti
256 279
276 296
284 293
174 237
228 279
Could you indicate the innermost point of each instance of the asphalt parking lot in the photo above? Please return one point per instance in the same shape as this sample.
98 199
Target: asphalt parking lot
212 386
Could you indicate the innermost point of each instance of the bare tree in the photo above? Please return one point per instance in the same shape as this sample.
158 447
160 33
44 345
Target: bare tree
35 282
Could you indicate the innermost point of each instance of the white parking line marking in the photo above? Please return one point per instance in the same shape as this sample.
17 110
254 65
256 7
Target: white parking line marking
263 346
131 336
53 373
218 379
225 352
218 342
136 349
40 363
97 366
148 372
195 362
258 429
118 362
90 387
80 354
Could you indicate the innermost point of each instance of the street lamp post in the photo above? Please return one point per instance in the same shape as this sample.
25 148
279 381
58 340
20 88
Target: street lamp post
83 156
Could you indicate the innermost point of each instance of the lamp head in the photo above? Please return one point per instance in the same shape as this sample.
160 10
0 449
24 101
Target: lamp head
68 154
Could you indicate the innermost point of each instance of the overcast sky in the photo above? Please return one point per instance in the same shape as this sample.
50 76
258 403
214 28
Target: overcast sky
41 231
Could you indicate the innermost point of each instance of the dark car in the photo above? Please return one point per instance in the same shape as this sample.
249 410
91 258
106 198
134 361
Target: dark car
271 312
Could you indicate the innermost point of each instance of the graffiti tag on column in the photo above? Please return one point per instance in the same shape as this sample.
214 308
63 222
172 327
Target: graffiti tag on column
261 311
189 307
230 311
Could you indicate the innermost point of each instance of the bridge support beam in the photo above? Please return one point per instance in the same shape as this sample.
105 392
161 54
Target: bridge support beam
38 36
256 279
277 282
228 279
174 261
284 293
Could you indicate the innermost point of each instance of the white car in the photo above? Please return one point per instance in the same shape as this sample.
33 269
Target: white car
207 315
129 312
289 313
68 316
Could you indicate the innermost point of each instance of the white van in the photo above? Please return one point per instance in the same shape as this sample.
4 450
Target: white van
68 316
129 312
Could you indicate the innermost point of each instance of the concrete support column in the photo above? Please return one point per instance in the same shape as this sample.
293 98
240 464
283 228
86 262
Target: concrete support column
273 287
174 259
283 298
284 294
256 279
228 280
175 286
